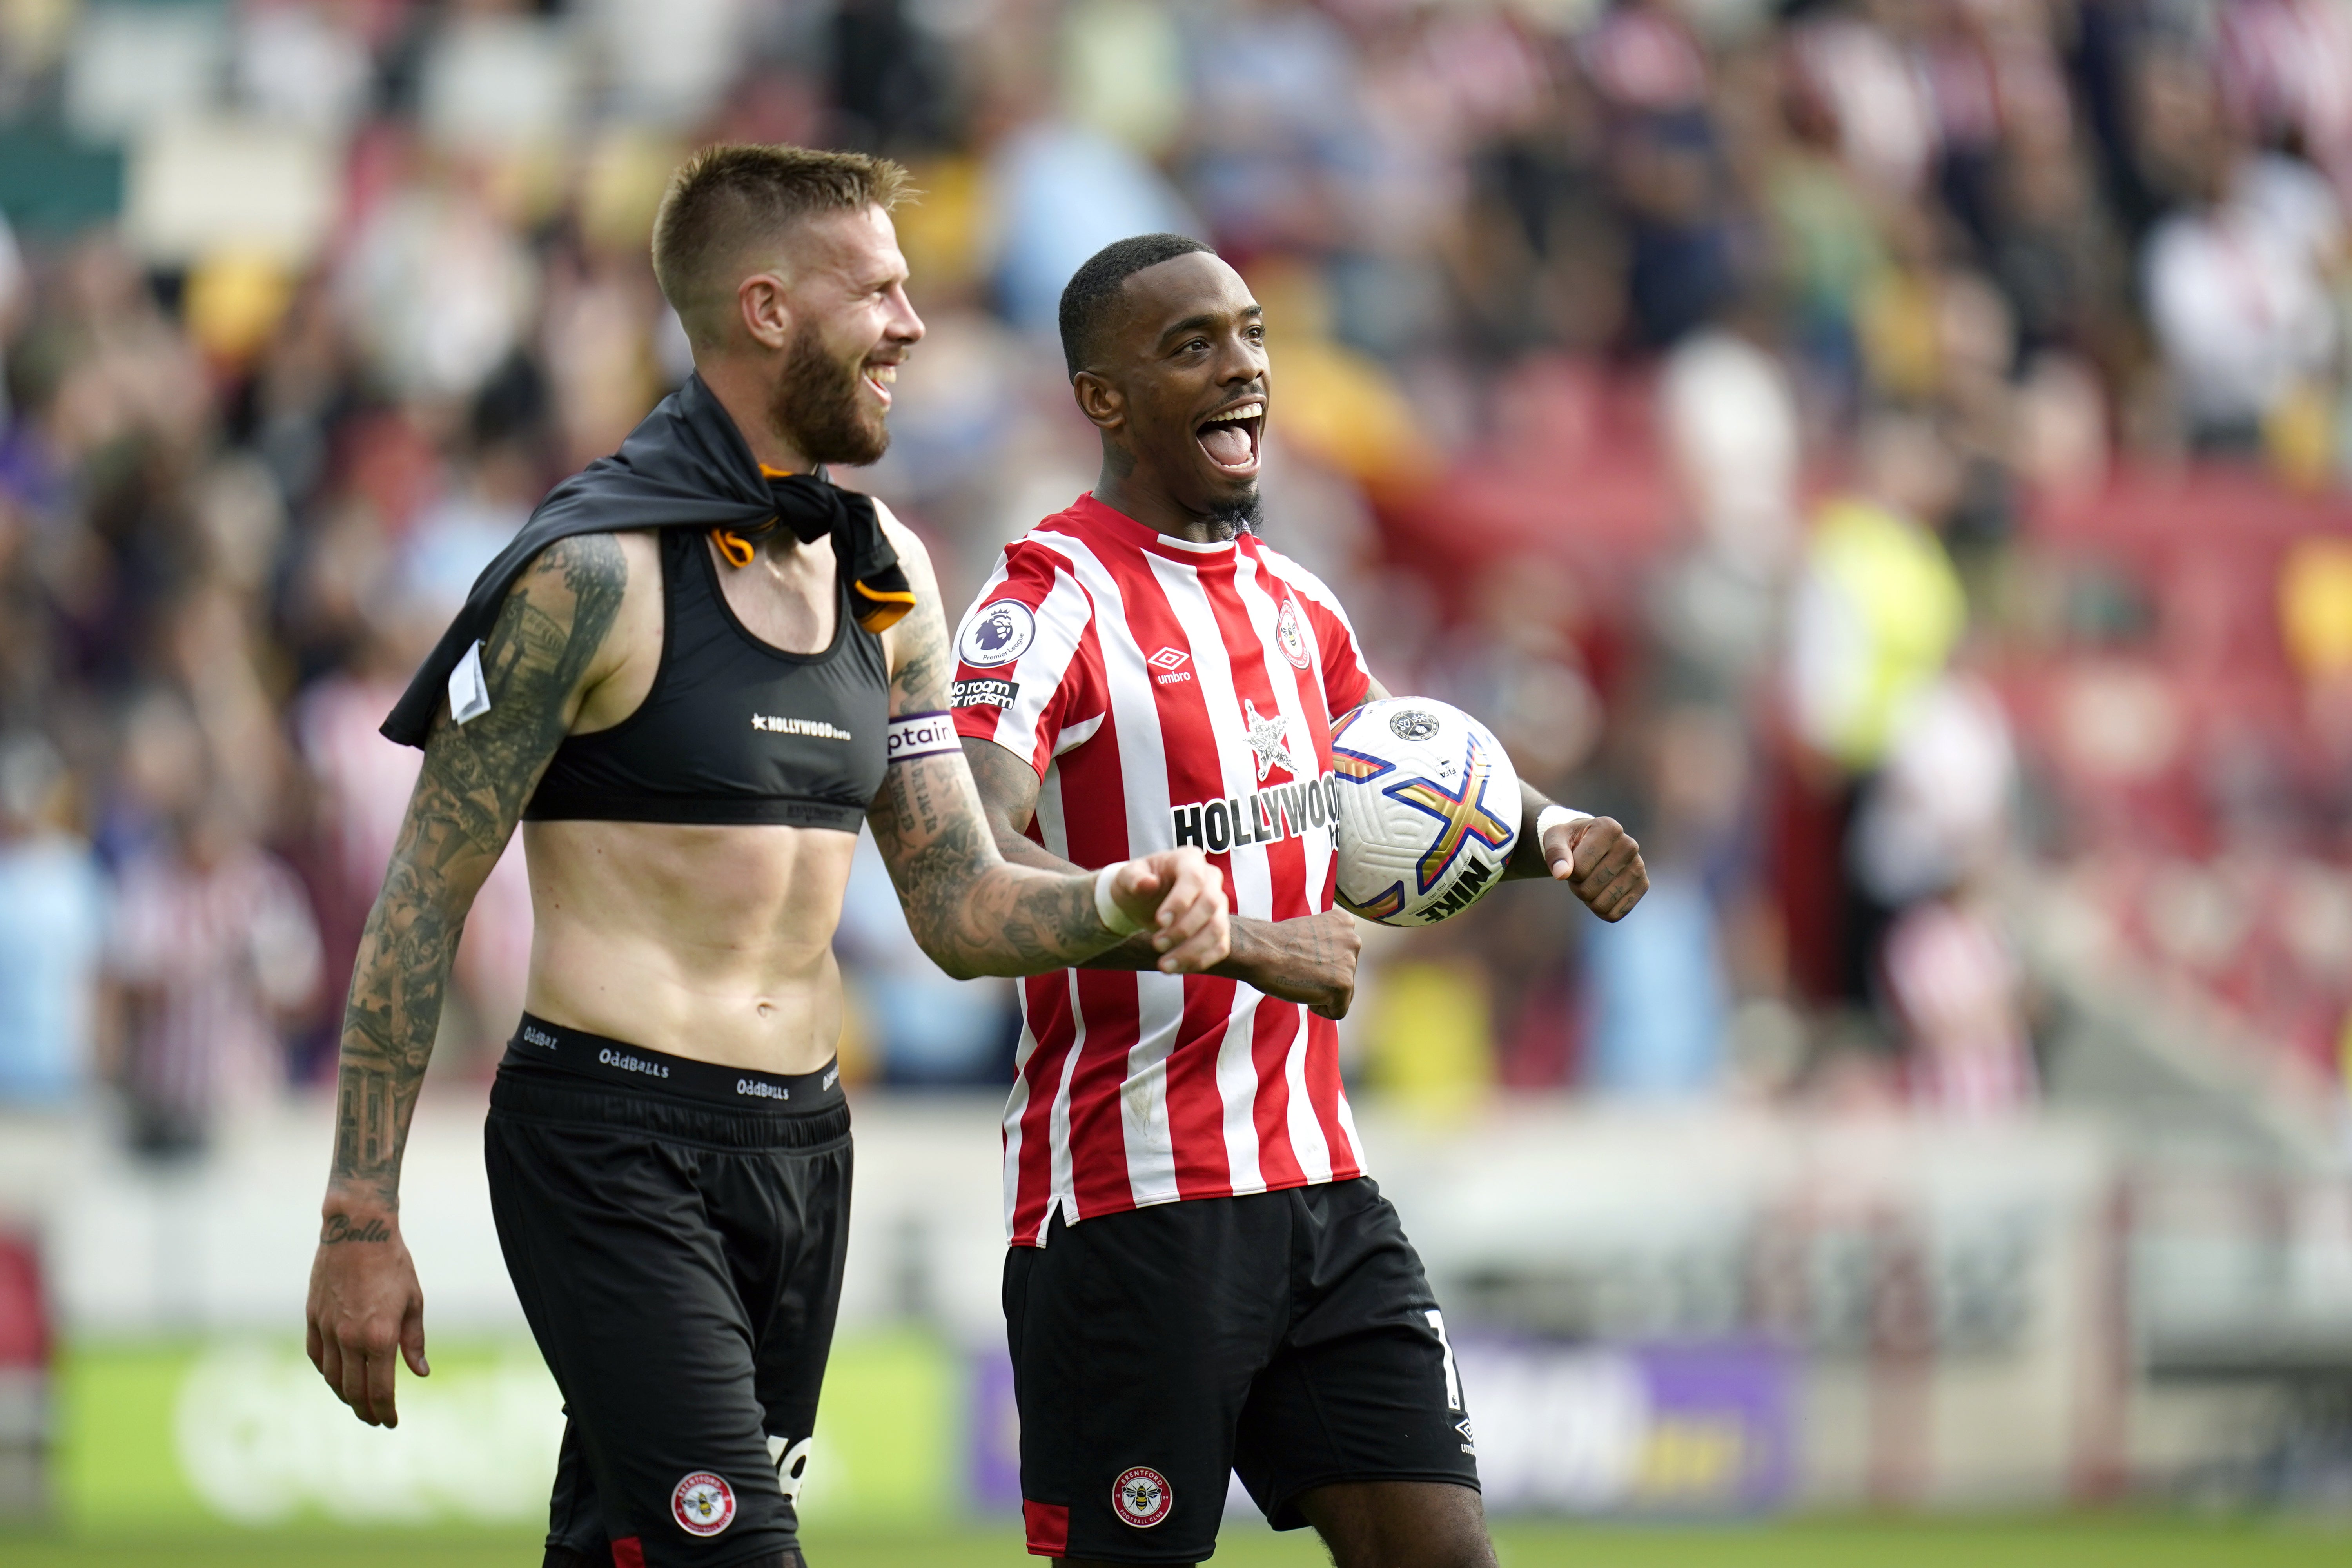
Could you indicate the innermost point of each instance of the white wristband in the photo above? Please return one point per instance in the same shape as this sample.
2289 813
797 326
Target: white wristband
1552 816
1115 920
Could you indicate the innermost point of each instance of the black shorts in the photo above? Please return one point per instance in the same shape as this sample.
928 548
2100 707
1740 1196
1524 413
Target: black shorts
675 1231
1288 1336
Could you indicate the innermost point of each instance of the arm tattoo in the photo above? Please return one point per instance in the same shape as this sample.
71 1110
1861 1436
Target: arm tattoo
972 912
469 795
920 683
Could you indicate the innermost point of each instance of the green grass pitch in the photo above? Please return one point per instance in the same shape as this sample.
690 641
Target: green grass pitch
2135 1540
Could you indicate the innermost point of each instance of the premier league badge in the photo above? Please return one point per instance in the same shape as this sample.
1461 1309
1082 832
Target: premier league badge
1142 1497
703 1504
1000 634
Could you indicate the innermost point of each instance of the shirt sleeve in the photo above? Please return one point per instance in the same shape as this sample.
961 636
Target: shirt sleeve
1027 667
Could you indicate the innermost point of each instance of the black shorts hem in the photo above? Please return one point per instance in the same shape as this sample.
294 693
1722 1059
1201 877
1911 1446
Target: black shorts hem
760 1554
1284 1514
759 1550
1178 1558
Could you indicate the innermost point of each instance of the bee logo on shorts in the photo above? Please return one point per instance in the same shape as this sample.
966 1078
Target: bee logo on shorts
1142 1497
703 1504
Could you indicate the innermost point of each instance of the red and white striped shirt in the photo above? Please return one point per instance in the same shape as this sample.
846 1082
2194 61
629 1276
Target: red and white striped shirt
1167 693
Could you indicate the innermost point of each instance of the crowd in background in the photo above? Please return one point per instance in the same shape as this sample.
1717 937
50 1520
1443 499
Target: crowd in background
1745 408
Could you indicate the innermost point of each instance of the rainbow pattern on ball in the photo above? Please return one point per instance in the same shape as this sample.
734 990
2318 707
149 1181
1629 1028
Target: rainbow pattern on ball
1404 764
1463 815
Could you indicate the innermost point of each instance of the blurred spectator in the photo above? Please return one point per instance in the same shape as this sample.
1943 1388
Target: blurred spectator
1658 1003
2239 291
1937 816
1879 608
436 288
1731 429
215 956
1956 987
1660 987
52 933
1428 1033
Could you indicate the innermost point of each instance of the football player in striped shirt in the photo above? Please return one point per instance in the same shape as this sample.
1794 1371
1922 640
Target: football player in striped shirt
1203 1278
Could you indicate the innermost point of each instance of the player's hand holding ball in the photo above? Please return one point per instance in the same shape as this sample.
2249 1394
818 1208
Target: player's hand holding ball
1429 809
1600 862
1178 898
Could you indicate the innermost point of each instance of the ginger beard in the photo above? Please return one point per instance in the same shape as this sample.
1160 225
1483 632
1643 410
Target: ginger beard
823 405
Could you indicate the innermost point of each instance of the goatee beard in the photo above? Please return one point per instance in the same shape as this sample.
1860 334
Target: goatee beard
1236 517
819 406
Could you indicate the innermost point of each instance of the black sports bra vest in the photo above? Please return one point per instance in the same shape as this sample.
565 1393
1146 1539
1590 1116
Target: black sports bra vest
733 731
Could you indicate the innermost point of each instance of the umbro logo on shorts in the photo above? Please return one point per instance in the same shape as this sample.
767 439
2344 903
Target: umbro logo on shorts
1142 1497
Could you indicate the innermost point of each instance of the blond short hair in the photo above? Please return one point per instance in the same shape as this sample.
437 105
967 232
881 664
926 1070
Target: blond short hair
726 198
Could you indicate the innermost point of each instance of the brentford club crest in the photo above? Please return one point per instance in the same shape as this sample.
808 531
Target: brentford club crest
703 1504
1142 1497
1291 634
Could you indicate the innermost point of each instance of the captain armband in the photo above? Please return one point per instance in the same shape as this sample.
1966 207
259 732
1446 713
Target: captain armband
913 735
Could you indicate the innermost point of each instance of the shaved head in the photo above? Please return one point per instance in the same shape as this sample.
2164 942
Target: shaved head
1094 291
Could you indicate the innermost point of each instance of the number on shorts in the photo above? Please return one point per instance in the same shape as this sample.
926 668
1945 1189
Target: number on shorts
1453 1373
792 1460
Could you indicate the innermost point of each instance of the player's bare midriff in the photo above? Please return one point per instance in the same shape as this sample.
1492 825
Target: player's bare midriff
710 943
714 943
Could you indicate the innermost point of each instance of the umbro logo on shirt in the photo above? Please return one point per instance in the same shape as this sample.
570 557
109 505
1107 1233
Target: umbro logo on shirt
1171 662
819 729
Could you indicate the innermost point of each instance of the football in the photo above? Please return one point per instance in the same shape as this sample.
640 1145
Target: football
1429 810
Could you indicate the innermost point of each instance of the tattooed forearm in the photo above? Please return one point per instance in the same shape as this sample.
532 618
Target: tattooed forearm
972 912
476 779
1008 797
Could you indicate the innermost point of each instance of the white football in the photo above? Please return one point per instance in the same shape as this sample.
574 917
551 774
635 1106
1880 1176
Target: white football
1429 810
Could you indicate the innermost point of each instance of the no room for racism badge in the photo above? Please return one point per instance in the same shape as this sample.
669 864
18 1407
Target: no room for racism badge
1142 1497
703 1504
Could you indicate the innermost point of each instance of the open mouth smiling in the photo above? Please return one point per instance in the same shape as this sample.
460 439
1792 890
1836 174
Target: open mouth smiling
879 379
1230 437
